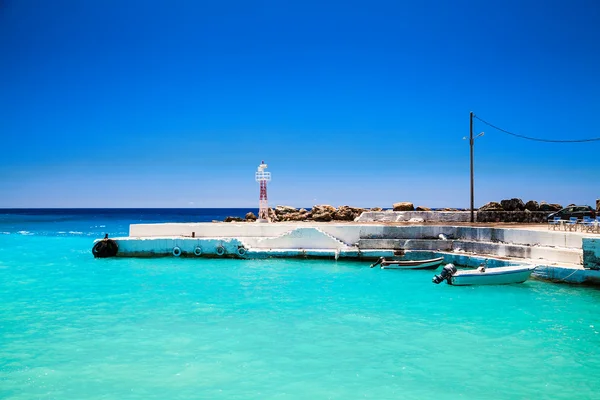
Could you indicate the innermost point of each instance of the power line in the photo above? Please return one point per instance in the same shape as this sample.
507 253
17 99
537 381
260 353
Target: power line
536 139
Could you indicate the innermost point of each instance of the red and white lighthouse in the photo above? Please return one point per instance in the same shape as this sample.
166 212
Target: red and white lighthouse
262 177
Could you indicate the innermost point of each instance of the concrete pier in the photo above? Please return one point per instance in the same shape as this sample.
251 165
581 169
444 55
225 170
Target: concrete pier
560 256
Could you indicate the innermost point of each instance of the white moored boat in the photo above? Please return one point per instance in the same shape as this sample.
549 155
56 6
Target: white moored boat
409 264
485 276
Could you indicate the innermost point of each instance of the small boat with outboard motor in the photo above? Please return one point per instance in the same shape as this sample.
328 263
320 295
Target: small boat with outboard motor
408 264
483 275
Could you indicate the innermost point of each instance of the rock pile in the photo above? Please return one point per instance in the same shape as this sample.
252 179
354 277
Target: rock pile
505 211
532 205
514 210
550 207
287 213
518 205
321 213
347 213
408 206
233 219
513 205
491 206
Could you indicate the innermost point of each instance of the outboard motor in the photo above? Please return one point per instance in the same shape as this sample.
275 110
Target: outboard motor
105 248
446 274
381 259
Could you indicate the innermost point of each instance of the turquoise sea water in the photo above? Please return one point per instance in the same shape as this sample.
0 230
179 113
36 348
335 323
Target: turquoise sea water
73 327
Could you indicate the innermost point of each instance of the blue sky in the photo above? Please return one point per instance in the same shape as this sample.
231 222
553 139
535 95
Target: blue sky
174 104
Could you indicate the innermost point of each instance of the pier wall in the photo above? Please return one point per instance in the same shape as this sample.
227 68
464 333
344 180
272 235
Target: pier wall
417 216
350 234
454 216
207 229
160 247
591 253
527 217
546 246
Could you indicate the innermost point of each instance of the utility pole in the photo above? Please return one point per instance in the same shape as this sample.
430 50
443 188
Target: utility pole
471 140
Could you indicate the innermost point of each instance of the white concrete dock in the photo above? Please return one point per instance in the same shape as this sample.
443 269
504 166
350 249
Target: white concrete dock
559 256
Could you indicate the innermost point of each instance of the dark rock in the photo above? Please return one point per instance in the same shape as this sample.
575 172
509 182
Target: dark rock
549 207
322 213
322 217
491 206
282 210
513 205
250 216
297 216
421 208
233 219
404 206
532 205
347 213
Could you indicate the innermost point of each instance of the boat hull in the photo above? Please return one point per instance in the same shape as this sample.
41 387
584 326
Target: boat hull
492 276
424 264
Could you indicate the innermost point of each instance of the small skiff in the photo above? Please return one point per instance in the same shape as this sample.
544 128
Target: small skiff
485 276
409 264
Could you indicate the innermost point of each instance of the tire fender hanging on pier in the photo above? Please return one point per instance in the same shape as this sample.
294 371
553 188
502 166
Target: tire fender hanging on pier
220 250
105 248
198 251
176 251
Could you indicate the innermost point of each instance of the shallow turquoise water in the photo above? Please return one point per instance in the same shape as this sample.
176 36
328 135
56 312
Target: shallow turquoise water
72 327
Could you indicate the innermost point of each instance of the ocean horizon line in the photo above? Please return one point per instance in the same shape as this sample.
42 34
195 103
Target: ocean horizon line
186 208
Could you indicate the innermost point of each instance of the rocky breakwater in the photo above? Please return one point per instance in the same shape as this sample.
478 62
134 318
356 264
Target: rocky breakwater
408 206
319 213
515 210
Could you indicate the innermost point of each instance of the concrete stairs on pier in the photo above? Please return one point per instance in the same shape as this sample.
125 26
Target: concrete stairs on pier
300 238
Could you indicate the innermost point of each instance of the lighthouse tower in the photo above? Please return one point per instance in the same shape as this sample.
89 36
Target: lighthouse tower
262 177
